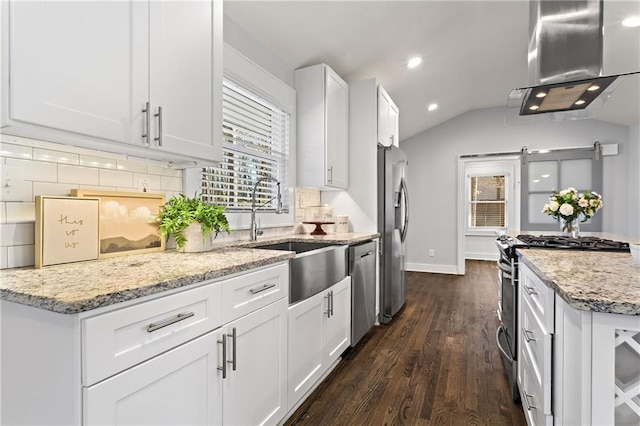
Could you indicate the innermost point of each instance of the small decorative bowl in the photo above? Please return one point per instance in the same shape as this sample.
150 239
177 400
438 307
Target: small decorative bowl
635 252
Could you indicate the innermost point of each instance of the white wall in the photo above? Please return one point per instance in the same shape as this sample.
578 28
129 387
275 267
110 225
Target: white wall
432 174
236 36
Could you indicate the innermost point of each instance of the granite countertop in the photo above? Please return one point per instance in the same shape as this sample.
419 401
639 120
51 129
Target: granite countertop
595 281
78 287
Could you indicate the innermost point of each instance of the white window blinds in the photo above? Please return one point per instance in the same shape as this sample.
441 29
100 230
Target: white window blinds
488 202
255 145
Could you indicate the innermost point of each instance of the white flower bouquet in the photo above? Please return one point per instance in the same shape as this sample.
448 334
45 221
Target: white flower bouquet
569 205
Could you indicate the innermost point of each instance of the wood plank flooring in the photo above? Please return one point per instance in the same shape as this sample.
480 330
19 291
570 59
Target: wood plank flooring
436 363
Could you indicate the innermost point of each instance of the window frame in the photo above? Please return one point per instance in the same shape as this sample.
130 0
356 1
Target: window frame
470 203
256 79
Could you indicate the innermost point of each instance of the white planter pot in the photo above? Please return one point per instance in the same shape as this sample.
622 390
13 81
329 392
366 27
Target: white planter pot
195 243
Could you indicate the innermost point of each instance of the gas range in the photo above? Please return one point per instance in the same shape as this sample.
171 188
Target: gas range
565 243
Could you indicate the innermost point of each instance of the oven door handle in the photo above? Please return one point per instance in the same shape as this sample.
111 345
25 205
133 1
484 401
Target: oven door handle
504 353
504 268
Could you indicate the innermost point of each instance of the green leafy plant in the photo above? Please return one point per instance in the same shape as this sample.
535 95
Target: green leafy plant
181 211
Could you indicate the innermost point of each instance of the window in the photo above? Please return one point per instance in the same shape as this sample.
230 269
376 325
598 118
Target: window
255 145
488 203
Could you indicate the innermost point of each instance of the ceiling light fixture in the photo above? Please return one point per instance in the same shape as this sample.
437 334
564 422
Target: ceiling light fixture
631 21
534 107
432 107
541 95
593 88
579 102
414 62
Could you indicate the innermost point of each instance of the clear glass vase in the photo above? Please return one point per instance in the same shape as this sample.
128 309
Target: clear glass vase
570 228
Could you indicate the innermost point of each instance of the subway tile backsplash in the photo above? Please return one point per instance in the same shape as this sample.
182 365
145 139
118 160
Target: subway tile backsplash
42 168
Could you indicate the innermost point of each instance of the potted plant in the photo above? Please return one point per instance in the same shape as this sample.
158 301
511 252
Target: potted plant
186 218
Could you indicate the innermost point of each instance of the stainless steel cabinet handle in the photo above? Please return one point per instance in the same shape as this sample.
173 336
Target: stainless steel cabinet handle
530 290
331 302
391 139
528 404
147 123
224 356
159 137
157 326
330 179
328 311
526 335
261 289
233 336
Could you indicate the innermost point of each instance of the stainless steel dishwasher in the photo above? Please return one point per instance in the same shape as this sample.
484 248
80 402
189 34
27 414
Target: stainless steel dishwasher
362 269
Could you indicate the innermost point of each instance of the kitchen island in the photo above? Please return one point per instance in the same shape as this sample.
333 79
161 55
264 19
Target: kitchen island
579 337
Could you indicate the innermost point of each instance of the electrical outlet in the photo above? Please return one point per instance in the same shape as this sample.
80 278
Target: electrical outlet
432 252
143 185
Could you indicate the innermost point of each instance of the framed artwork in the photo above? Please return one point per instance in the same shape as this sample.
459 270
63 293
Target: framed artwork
127 221
66 231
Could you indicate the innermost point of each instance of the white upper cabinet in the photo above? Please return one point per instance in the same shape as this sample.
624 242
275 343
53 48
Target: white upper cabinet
323 128
388 115
82 73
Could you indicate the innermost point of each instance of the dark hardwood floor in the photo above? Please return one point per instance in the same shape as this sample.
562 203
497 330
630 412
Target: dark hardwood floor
436 363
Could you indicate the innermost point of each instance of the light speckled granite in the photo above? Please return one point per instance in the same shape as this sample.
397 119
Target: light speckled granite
589 280
78 287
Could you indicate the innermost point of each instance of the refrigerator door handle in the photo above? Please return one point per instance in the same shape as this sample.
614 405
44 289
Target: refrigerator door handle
403 189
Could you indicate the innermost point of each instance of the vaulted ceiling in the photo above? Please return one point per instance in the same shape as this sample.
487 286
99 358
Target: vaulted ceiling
474 52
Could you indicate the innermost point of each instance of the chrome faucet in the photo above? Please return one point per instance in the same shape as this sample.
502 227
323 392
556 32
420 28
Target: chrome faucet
255 229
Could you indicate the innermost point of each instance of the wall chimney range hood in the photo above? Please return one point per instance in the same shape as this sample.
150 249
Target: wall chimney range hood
565 64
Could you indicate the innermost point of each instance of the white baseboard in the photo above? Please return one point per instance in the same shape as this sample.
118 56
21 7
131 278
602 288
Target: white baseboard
482 256
426 267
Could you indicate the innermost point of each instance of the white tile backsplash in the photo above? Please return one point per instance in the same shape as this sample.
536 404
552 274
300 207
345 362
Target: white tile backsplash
48 188
4 262
77 174
97 162
132 166
35 170
61 157
16 234
16 151
52 169
21 212
116 178
19 256
168 183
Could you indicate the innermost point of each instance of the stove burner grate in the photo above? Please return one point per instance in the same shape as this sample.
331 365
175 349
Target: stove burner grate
580 243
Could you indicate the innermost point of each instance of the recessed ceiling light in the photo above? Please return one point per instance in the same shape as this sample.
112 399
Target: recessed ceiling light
541 95
432 107
414 62
593 88
632 21
534 107
579 102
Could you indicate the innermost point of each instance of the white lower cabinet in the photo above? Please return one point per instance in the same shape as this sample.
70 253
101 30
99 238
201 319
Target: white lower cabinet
255 389
182 386
319 332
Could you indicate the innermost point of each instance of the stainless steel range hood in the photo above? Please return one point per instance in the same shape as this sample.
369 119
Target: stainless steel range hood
565 64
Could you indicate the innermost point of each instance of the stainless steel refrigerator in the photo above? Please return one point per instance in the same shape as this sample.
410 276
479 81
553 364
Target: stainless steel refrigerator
393 220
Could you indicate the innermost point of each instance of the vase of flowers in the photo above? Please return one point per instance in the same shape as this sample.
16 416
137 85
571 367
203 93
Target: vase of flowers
571 207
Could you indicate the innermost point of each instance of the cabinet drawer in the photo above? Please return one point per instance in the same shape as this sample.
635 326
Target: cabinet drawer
245 294
532 395
535 346
116 340
539 296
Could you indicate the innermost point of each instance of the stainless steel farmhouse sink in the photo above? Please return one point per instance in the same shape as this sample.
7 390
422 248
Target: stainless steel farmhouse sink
315 267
